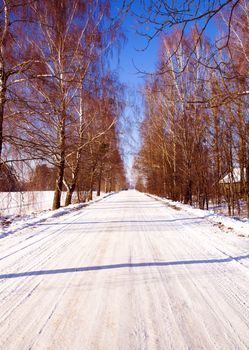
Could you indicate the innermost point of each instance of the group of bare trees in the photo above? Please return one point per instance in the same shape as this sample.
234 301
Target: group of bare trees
196 128
59 102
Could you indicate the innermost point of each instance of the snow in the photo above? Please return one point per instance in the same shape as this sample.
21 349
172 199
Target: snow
24 203
15 223
238 225
233 177
127 272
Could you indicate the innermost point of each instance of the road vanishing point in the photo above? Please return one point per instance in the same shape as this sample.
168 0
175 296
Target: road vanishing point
127 272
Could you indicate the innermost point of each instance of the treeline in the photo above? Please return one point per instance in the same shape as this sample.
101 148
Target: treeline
59 101
196 125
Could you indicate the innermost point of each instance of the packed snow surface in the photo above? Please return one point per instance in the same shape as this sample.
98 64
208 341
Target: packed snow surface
127 272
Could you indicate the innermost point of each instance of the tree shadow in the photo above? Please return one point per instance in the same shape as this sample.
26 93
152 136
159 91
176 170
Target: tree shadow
122 266
118 207
125 221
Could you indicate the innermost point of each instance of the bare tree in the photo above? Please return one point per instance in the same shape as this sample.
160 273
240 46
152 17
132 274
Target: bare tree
15 57
67 42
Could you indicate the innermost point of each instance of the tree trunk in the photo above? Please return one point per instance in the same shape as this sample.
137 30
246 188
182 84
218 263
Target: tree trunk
69 195
90 193
228 192
206 200
2 102
58 185
5 26
99 182
217 155
74 177
1 129
75 171
247 189
188 193
61 166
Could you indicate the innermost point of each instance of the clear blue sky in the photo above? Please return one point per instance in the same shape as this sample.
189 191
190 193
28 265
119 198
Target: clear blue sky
132 55
133 58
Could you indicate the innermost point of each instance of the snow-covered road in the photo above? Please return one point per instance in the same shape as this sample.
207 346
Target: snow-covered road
125 273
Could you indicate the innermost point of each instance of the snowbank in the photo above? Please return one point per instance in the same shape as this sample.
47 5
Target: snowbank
239 226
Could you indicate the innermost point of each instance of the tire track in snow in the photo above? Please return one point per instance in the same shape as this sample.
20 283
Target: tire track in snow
215 269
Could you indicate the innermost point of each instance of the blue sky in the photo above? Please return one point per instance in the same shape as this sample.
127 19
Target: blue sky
135 57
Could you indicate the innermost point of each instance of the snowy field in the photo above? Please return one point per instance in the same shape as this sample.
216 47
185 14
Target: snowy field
10 224
22 203
127 272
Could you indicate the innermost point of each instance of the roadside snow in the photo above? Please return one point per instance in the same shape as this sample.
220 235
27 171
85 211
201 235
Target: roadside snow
237 225
14 223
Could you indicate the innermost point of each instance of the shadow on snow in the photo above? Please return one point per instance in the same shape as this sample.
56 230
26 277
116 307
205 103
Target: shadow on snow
121 266
123 221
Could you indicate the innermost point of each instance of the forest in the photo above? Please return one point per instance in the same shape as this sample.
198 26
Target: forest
195 133
60 103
